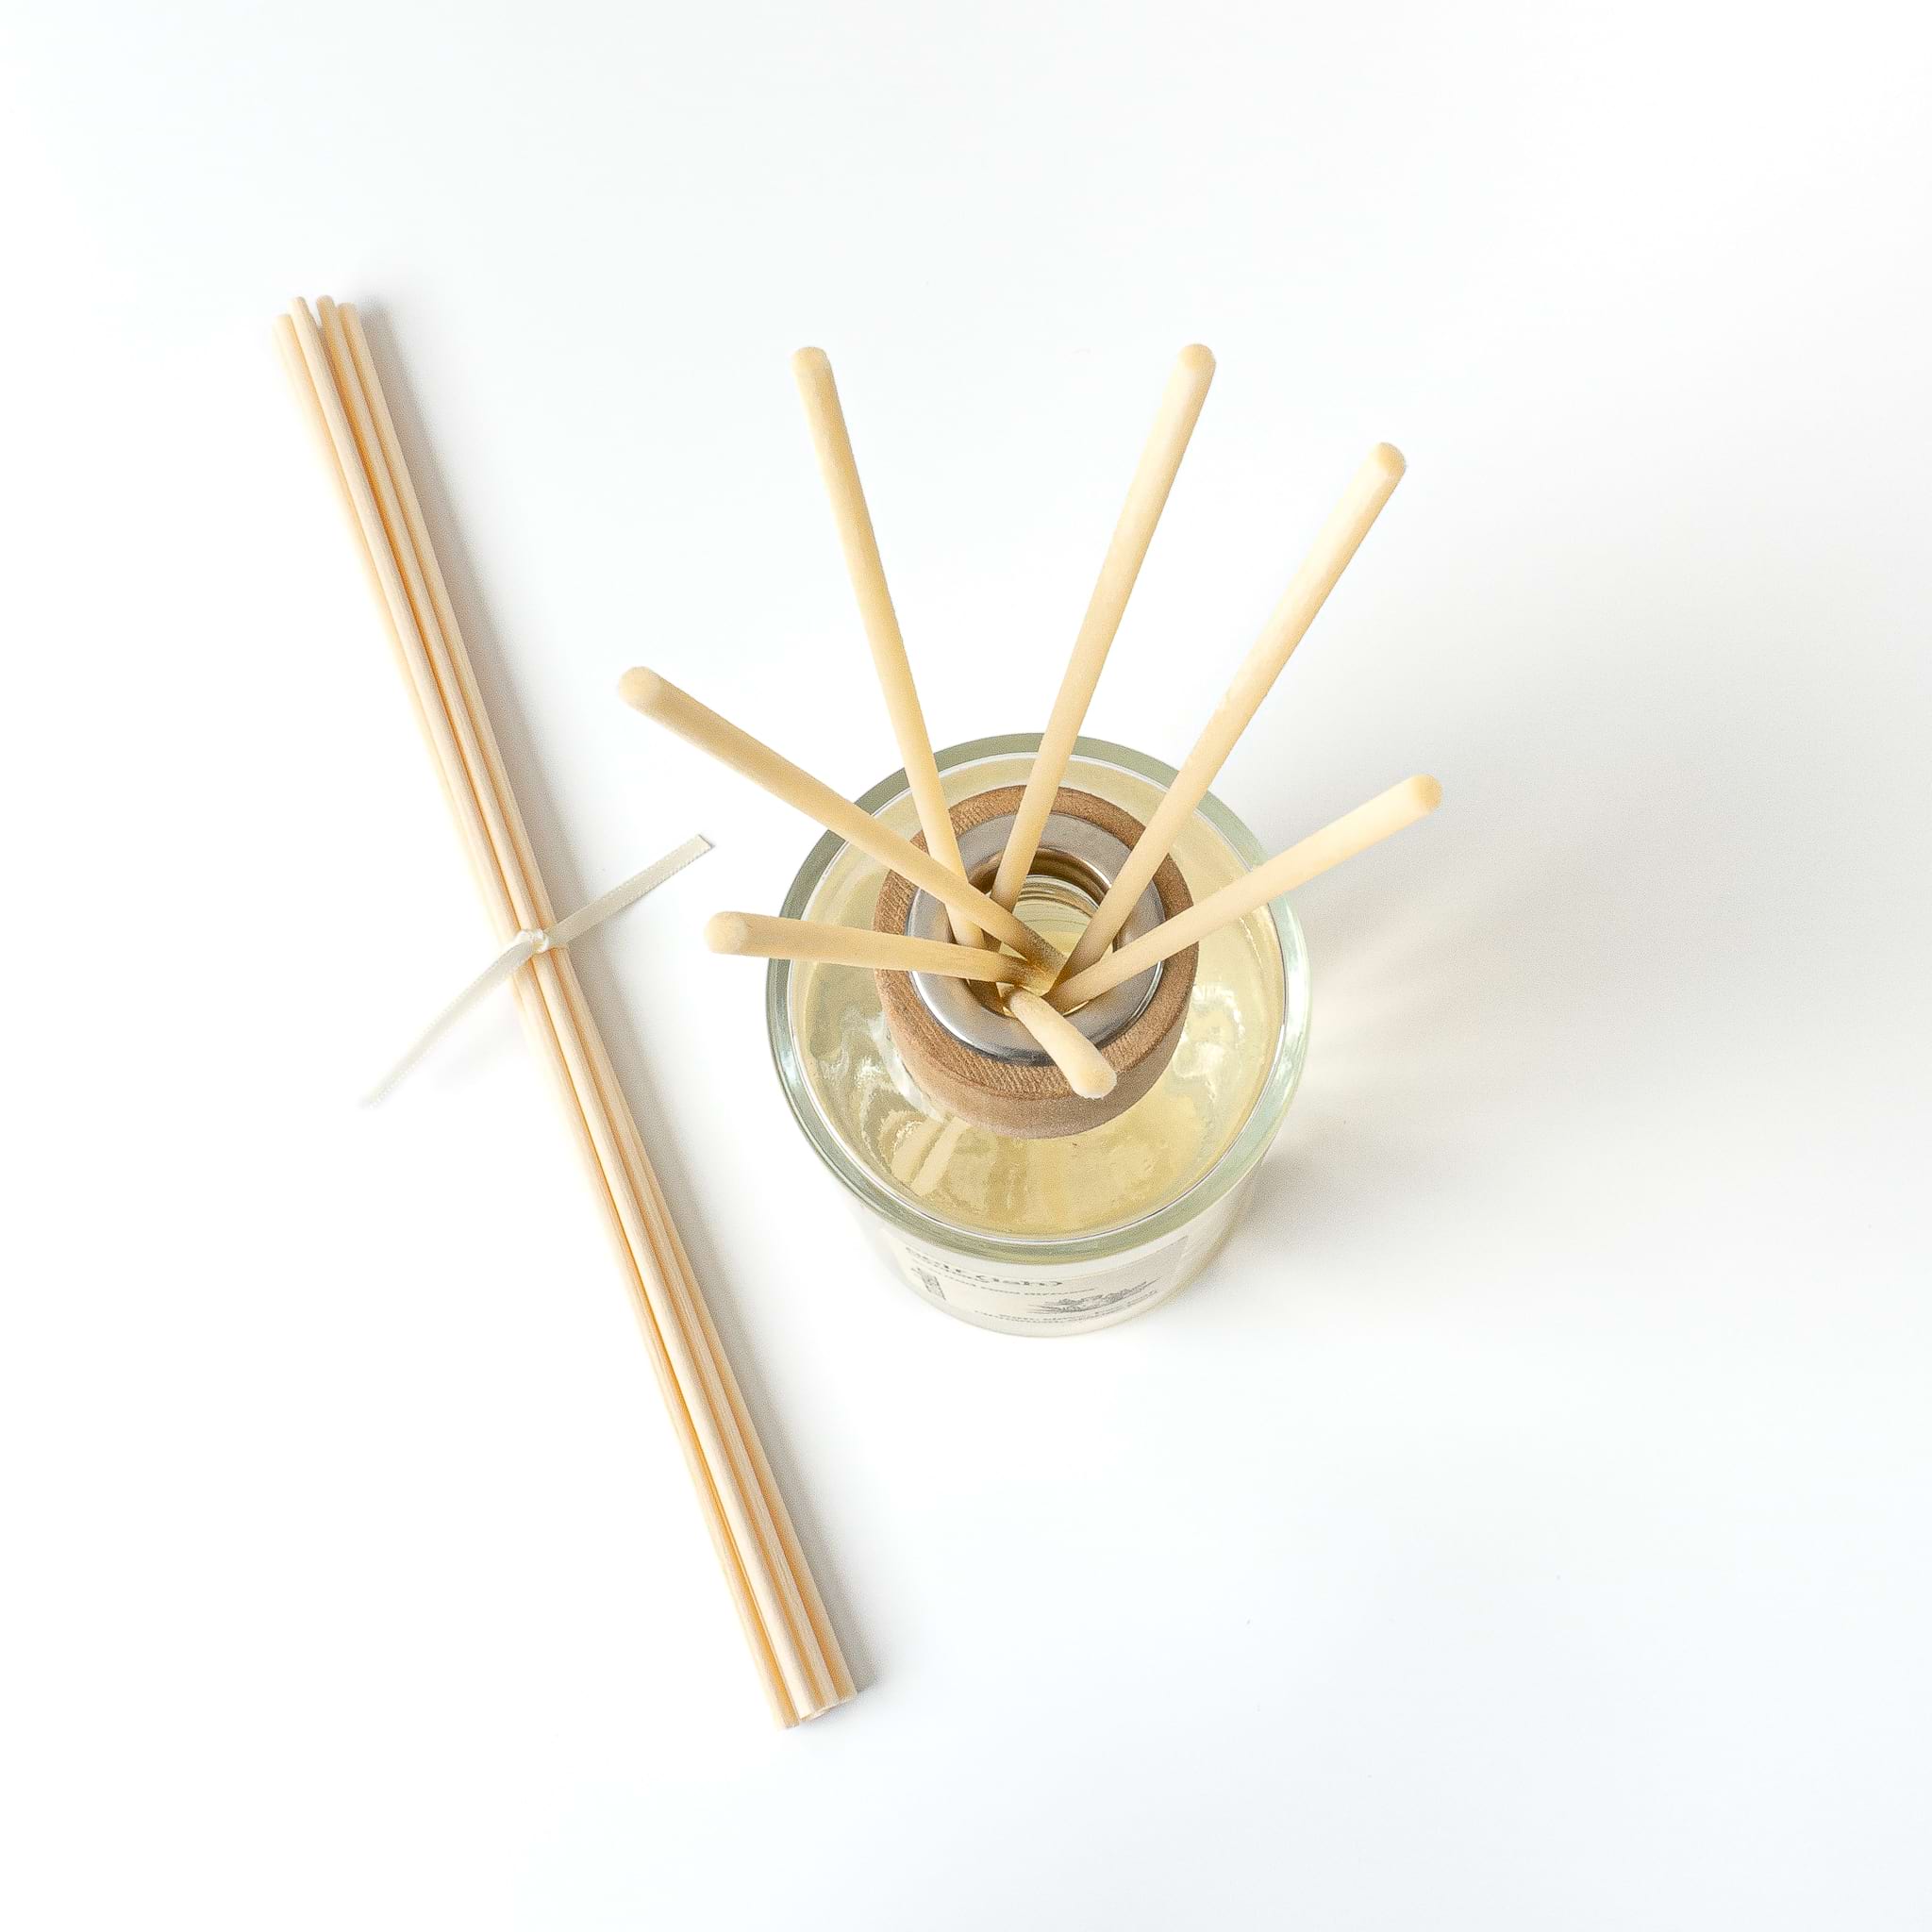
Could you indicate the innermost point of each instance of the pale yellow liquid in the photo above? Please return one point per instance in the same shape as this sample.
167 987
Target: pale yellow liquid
1123 1170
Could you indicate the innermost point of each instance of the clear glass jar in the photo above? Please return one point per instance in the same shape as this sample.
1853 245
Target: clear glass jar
1047 1237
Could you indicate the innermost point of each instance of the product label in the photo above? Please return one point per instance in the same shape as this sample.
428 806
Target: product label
1058 1298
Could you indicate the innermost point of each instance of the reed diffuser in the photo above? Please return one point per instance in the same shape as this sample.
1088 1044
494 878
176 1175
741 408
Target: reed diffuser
1039 1003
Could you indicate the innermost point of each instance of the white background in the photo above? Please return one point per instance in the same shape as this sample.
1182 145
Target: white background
1526 1524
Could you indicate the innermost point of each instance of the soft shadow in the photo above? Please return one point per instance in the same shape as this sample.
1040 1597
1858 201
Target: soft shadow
1578 928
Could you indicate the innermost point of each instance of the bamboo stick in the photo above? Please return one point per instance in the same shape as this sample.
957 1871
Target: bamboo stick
677 710
754 935
1339 537
784 1618
1160 463
1382 817
819 390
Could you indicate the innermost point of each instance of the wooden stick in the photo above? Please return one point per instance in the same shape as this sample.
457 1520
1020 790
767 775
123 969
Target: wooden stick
771 1606
784 1616
812 371
1339 537
765 1546
677 710
666 1293
311 407
753 935
1160 463
1380 818
1083 1063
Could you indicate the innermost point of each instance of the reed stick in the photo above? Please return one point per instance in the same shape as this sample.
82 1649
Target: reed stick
753 1500
1382 817
774 1600
784 1616
677 710
1339 537
748 1498
1083 1063
812 371
1160 463
754 935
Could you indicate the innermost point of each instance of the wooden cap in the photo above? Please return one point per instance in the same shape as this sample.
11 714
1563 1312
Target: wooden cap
1027 1097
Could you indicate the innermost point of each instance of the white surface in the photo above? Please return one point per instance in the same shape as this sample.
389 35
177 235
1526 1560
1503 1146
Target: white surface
1526 1524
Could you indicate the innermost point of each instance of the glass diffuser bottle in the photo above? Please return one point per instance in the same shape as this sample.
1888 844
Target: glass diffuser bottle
1069 1232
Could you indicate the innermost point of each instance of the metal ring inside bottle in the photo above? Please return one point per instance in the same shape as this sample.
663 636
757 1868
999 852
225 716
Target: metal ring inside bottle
1078 853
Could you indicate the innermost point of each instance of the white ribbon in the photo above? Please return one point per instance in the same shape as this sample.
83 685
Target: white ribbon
526 945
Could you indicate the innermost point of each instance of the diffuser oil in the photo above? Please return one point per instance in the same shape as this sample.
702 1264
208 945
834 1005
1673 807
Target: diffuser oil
1063 1234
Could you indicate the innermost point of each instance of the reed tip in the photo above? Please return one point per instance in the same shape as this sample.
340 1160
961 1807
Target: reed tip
1197 359
1426 791
640 689
1389 459
1097 1085
727 932
809 361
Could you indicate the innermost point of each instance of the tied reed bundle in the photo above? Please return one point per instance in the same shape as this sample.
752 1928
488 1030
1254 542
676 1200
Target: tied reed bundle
791 1637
